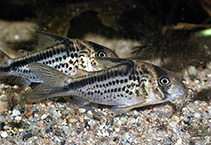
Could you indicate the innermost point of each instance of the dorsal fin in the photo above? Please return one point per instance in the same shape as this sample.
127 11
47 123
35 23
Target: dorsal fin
105 63
46 40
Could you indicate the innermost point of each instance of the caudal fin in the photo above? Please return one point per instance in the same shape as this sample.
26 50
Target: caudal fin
5 61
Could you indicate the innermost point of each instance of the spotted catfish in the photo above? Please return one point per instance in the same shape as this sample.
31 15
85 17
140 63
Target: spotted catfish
124 84
61 53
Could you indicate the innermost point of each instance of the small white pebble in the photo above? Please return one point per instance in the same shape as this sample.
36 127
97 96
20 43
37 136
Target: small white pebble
89 112
4 134
20 130
117 129
15 112
56 139
209 75
91 123
192 70
82 110
123 119
149 131
72 134
179 141
16 37
6 127
73 120
18 118
36 115
44 116
15 87
197 115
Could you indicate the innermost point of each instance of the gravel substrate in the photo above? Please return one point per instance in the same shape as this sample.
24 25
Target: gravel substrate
55 122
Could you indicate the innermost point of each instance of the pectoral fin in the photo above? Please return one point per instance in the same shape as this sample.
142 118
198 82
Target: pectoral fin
79 101
123 108
81 72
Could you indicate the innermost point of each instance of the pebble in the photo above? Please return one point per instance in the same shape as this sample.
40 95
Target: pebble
15 87
91 123
192 70
72 134
4 134
20 130
174 117
123 119
81 119
81 110
179 141
1 126
90 113
2 118
197 115
73 120
6 127
27 136
117 129
57 139
15 112
44 116
18 118
149 131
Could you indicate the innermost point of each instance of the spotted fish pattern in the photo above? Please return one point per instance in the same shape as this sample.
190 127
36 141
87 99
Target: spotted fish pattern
64 54
127 84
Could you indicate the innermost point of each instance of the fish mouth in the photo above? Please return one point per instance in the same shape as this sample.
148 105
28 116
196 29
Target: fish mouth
180 92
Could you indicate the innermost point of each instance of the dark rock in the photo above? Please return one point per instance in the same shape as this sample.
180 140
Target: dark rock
1 126
27 136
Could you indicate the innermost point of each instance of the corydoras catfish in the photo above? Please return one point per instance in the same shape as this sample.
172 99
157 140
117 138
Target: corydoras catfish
125 84
61 53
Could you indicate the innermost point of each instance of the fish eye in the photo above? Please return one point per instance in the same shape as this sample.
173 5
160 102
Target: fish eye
164 81
101 53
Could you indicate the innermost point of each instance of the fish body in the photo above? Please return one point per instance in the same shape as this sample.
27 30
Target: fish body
124 84
61 53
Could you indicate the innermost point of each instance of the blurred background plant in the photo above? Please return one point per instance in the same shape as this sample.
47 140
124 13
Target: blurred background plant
171 33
